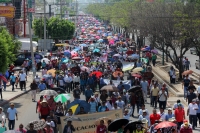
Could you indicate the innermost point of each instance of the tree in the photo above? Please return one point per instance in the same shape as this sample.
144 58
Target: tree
38 27
60 29
8 48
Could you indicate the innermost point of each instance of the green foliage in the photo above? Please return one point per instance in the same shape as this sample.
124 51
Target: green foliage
38 27
8 49
60 28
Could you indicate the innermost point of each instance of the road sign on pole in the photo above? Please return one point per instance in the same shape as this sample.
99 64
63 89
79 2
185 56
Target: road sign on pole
31 6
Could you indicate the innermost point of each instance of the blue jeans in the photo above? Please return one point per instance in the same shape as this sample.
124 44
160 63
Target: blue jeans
193 120
154 101
11 124
82 87
185 92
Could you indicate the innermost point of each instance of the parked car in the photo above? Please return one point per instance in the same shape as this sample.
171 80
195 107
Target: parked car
22 56
197 64
192 50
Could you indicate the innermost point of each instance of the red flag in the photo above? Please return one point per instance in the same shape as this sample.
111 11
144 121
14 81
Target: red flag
3 78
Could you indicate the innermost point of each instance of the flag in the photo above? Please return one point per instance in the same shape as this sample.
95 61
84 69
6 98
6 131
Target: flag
74 107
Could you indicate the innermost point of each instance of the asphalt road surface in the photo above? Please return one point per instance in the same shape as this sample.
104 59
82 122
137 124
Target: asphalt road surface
27 112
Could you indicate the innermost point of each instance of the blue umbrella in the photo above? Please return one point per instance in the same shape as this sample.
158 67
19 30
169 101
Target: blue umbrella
126 86
83 45
76 50
65 61
148 48
96 50
68 54
76 104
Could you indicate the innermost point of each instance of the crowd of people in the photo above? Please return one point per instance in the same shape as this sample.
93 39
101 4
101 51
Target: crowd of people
88 66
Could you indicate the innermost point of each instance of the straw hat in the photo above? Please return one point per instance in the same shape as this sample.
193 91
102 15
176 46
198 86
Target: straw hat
96 93
108 99
43 101
172 119
144 120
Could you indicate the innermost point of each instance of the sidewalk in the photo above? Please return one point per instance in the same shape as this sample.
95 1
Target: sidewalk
10 95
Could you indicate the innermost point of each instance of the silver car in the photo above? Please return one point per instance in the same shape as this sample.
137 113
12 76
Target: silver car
192 50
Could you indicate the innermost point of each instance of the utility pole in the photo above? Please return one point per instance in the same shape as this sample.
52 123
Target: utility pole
76 13
60 9
45 37
49 11
24 4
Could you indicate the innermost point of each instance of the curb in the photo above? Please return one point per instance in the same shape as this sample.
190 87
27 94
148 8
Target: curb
13 98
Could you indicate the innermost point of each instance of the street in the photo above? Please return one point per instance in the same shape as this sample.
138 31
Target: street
26 110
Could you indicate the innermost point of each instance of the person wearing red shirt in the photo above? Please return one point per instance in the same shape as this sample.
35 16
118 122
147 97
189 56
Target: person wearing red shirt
101 128
179 115
44 110
154 117
38 105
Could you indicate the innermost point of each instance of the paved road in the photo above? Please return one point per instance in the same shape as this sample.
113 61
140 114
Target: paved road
26 109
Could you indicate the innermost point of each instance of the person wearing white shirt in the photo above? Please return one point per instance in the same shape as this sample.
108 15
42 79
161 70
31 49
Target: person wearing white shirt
68 84
120 103
162 114
198 91
2 116
22 79
109 103
146 116
162 98
192 112
145 86
37 79
142 110
76 80
115 107
51 122
127 113
11 115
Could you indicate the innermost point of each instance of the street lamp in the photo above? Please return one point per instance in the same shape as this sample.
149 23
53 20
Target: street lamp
45 36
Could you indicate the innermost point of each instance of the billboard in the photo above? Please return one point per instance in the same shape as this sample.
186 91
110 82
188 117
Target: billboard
7 11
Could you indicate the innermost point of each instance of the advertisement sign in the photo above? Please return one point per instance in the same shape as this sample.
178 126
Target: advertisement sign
86 123
7 11
31 6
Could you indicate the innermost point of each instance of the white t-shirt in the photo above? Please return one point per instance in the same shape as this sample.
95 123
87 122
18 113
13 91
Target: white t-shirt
192 108
52 123
22 77
61 82
198 89
162 116
11 113
141 112
162 96
120 104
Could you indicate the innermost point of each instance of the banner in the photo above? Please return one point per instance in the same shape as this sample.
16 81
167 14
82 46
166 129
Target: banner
7 11
117 82
86 123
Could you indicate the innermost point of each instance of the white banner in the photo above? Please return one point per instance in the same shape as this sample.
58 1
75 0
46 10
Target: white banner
117 82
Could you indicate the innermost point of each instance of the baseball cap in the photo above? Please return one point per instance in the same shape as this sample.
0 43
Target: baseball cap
170 109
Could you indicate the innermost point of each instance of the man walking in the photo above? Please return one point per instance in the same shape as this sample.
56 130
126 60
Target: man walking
192 112
144 85
22 79
11 115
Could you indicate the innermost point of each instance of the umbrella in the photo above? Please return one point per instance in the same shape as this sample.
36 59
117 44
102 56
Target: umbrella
96 50
127 66
52 72
98 74
105 119
154 51
136 75
3 78
97 54
165 124
58 89
45 60
62 98
12 131
117 124
144 60
117 55
116 73
83 68
135 88
76 58
49 92
109 88
131 126
76 104
38 124
17 69
138 69
83 45
65 61
187 72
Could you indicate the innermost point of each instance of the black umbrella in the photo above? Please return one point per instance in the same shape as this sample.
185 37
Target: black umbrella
97 54
17 69
117 124
58 89
132 126
135 88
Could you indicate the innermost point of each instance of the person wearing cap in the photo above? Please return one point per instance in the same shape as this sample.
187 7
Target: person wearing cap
191 95
11 115
176 104
127 113
169 114
52 123
44 110
146 116
69 128
12 81
140 129
192 112
93 105
186 128
48 128
179 115
143 109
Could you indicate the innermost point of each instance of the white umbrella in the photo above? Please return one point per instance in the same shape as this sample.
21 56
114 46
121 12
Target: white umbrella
12 131
49 93
45 60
